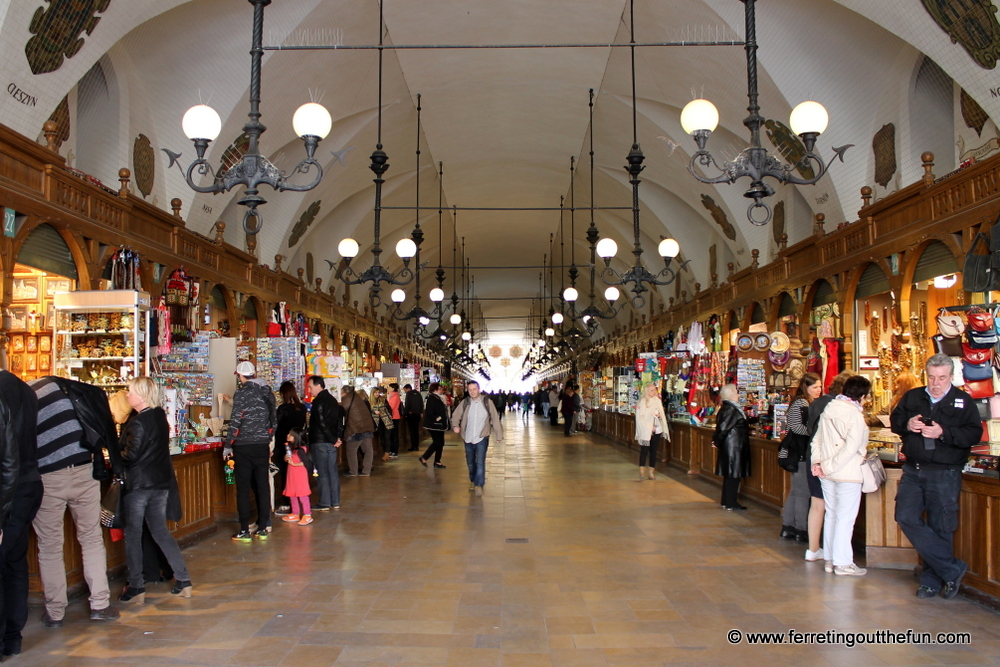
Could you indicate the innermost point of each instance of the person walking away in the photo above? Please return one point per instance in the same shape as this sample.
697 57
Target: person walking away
20 496
568 408
413 407
649 423
475 420
817 507
396 410
838 450
732 441
383 422
324 439
795 515
290 414
359 429
248 441
938 424
67 462
149 474
297 480
436 423
553 410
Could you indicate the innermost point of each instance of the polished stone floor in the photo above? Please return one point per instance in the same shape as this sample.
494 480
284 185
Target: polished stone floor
565 560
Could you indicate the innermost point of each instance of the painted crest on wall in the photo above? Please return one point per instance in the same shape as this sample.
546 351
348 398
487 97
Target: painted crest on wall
884 147
56 32
516 351
61 118
496 352
789 145
973 114
719 216
304 221
971 23
143 164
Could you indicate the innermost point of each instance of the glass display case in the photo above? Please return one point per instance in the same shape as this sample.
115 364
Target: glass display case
100 336
887 444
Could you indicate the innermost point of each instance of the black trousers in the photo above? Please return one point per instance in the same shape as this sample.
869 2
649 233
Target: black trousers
14 561
554 415
394 437
650 451
252 465
730 491
436 448
570 422
413 421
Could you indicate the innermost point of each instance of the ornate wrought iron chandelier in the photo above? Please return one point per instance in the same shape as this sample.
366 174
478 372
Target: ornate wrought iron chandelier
202 124
808 120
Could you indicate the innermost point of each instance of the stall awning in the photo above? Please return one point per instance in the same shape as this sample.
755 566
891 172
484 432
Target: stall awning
935 261
45 250
873 281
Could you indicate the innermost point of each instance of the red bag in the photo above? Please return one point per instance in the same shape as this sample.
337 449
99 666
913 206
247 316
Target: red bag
980 319
980 388
976 356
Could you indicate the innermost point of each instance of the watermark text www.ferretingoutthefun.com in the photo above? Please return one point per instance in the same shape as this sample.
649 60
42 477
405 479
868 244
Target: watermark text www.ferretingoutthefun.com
850 639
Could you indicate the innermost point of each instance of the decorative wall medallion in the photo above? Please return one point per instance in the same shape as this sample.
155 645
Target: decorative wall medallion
309 269
57 31
971 23
516 351
884 147
306 219
973 114
234 153
61 118
719 216
778 221
789 145
505 362
143 164
496 352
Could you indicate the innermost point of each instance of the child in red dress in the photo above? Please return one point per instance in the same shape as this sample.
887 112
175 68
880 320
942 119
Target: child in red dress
297 479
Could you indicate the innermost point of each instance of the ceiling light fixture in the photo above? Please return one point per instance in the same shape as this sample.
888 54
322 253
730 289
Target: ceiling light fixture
808 120
202 124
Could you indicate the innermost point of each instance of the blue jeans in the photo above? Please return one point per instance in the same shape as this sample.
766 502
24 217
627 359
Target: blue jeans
936 493
149 505
325 457
475 456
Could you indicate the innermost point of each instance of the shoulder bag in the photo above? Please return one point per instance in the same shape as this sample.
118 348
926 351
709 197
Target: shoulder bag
113 505
949 324
976 271
872 473
791 451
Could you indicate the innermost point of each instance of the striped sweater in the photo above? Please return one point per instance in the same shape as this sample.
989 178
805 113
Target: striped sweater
59 432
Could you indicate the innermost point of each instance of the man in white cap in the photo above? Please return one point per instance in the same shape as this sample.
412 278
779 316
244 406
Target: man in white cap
247 440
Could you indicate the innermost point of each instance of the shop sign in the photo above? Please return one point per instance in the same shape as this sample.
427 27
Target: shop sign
9 217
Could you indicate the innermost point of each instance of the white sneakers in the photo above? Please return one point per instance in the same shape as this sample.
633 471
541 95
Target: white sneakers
851 570
828 566
814 555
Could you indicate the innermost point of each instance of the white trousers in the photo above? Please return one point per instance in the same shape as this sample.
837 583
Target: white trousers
842 502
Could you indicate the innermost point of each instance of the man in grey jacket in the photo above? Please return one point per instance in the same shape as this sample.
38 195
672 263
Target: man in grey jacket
248 440
474 419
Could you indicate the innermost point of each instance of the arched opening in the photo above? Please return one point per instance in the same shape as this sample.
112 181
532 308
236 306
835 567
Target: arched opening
932 115
97 121
758 319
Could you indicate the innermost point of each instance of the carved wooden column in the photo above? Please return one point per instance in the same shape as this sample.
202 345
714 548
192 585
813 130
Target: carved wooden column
123 177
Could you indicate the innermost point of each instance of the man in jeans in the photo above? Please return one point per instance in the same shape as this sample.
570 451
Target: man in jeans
248 441
67 470
413 407
938 424
324 439
475 418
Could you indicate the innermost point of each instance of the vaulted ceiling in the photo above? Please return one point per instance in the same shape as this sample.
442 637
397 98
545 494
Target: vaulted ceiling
504 122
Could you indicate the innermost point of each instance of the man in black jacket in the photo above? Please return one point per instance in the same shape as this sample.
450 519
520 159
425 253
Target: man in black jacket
413 406
324 439
248 438
938 424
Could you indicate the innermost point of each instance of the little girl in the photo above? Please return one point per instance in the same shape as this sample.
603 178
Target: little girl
297 480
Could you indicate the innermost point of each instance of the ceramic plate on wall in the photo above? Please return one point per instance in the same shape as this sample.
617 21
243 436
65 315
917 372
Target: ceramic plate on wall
762 342
744 343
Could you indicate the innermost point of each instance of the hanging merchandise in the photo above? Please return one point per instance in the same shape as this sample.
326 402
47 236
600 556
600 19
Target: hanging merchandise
125 270
178 288
696 342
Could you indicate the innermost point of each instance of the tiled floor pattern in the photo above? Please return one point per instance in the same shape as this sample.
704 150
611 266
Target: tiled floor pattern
415 570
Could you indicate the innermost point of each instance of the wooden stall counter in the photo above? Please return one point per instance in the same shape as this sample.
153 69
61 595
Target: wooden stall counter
203 493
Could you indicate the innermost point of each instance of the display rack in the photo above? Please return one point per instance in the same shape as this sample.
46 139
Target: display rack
100 336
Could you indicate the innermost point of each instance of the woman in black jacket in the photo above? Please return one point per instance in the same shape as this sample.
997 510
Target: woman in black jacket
436 423
148 476
290 414
732 439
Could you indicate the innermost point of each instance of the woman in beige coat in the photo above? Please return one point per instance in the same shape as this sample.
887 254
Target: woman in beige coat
649 424
838 450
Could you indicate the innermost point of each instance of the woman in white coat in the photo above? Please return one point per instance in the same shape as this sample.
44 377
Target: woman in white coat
650 422
838 450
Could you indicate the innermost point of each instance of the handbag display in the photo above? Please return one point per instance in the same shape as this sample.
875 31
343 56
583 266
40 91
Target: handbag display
981 339
980 388
949 325
872 473
974 372
951 347
975 355
980 319
113 505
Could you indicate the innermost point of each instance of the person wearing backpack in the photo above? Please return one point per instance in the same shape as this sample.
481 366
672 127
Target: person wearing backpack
475 419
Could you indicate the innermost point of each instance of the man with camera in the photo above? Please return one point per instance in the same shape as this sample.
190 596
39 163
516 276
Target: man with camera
938 424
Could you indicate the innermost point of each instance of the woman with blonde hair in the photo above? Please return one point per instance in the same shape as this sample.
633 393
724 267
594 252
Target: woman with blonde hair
145 451
650 422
